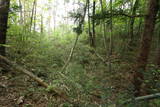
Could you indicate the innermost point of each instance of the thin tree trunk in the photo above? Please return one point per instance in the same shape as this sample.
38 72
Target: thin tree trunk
138 33
24 20
75 43
21 13
111 41
54 16
158 57
35 15
89 24
142 60
32 14
104 26
24 13
71 54
4 9
131 30
41 24
93 26
158 51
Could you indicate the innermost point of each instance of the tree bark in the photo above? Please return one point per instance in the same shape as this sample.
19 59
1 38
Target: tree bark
111 40
93 25
71 54
21 13
142 59
4 9
35 16
104 26
131 31
89 24
141 98
32 14
41 24
158 51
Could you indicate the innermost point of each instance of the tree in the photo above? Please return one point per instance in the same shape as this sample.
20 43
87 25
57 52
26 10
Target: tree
32 14
35 16
158 51
111 40
78 30
4 9
158 57
42 24
132 20
21 12
142 59
104 25
93 25
89 24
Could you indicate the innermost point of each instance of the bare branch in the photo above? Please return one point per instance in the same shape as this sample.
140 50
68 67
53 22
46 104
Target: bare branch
142 98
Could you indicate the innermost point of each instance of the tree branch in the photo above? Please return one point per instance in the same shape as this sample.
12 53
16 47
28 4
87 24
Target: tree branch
127 15
116 14
142 98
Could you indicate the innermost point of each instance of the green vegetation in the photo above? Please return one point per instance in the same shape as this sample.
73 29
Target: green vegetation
109 56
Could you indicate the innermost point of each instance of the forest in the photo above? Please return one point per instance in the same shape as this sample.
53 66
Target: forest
79 53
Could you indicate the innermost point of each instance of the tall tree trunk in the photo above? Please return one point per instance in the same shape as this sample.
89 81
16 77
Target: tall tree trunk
54 15
21 13
138 33
111 41
25 28
158 57
131 33
41 24
89 24
93 25
4 9
104 26
32 14
158 51
142 59
35 15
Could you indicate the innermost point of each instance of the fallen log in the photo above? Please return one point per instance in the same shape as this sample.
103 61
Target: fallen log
9 65
141 98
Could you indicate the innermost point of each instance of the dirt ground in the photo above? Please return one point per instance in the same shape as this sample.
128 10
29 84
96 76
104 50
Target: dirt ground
20 91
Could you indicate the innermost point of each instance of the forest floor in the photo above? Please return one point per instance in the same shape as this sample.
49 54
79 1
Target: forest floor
20 91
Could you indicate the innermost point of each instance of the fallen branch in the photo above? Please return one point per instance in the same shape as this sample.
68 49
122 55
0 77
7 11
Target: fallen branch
142 98
71 54
100 57
7 64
